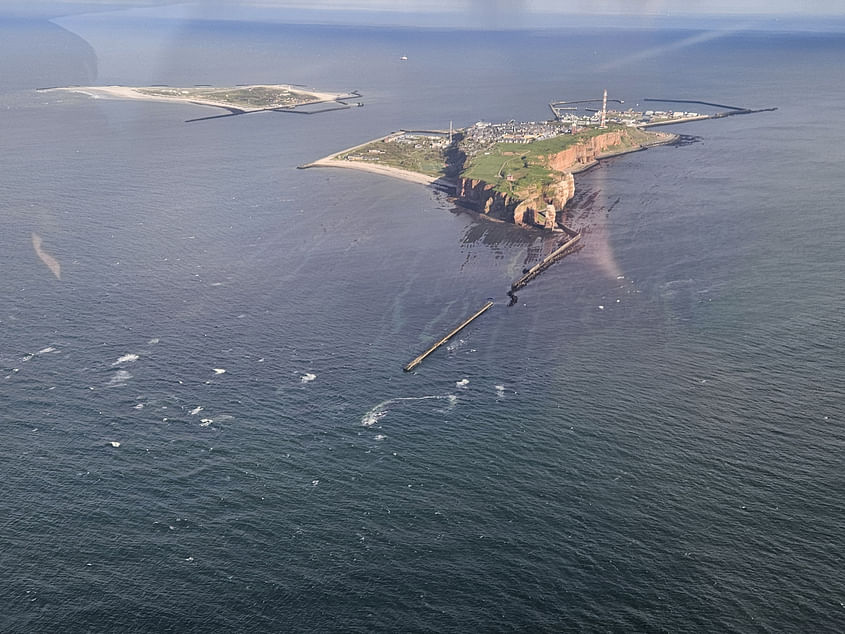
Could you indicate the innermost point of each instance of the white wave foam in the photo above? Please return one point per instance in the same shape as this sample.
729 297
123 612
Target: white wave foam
374 416
120 378
380 411
153 341
205 422
127 358
195 411
500 391
462 383
46 350
307 377
380 436
139 406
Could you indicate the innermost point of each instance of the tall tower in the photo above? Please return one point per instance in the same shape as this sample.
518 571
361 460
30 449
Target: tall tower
604 110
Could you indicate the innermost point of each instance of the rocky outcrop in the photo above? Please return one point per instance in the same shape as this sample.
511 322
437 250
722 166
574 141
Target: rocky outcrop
538 207
584 153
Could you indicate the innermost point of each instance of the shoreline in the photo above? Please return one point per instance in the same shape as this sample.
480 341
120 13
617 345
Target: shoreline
132 93
385 170
423 179
669 138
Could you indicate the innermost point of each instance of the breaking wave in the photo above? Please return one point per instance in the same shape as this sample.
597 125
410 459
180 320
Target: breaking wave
127 358
382 409
120 378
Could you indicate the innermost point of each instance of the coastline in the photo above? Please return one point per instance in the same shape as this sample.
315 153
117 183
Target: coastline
669 138
132 93
385 170
332 160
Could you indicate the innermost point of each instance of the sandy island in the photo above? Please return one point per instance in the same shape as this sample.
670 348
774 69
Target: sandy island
130 92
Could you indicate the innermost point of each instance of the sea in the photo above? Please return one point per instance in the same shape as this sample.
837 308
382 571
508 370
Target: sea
206 426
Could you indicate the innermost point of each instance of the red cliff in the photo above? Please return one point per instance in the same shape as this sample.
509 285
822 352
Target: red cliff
540 206
536 207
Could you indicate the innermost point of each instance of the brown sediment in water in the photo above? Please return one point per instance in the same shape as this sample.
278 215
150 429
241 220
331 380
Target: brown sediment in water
51 262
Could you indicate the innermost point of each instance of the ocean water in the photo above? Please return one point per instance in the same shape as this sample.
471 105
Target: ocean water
206 426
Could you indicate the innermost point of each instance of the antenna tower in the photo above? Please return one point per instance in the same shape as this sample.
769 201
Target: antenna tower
604 110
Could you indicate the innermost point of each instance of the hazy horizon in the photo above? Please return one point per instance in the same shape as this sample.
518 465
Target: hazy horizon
469 14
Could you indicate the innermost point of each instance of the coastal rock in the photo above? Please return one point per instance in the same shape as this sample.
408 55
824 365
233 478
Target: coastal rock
537 208
584 153
540 206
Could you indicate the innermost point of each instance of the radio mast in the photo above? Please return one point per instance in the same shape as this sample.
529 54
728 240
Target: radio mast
604 110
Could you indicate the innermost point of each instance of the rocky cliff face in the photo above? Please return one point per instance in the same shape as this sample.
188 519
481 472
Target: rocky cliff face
583 153
536 207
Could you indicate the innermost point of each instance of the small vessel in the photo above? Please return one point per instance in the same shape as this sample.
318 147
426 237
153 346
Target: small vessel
404 58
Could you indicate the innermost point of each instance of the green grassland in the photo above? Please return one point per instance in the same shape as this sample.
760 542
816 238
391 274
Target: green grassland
509 167
526 164
428 159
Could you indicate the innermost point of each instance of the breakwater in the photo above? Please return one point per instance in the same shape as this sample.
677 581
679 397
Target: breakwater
729 111
545 263
413 364
533 272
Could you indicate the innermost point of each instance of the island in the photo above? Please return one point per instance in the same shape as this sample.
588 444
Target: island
512 172
522 172
236 99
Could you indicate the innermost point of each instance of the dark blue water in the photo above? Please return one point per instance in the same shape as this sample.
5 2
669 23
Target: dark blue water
650 440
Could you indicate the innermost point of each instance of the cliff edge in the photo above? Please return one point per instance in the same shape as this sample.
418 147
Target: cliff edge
530 183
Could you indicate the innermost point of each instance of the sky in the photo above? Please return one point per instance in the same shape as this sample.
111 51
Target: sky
563 7
458 13
576 6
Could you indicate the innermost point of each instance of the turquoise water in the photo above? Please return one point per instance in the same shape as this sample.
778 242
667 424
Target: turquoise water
650 440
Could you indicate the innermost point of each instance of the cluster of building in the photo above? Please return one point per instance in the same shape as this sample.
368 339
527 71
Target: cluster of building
585 118
575 119
420 140
660 115
482 134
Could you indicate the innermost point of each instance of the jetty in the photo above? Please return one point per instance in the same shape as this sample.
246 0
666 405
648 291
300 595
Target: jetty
547 261
413 364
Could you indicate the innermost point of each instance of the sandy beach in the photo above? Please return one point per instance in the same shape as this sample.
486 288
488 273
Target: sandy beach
385 170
